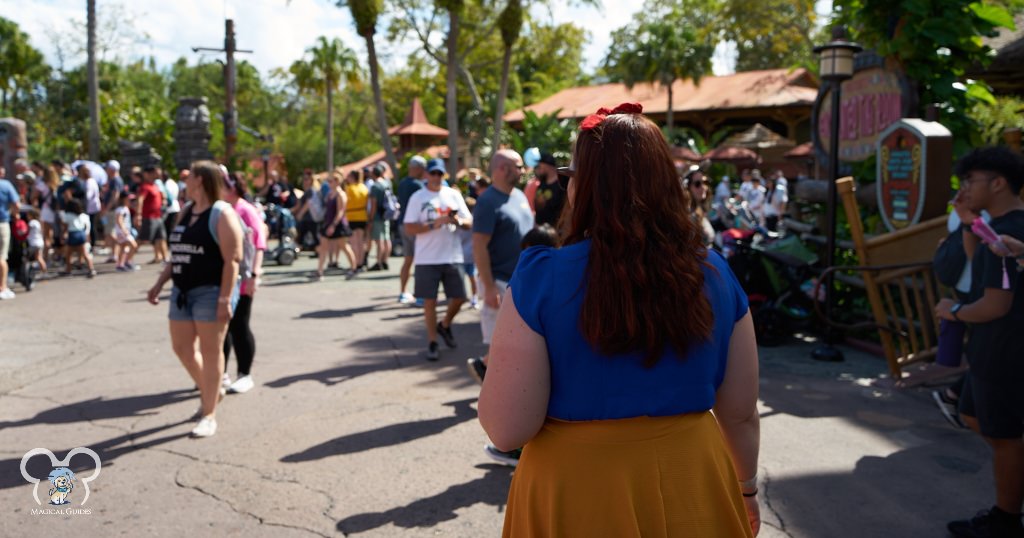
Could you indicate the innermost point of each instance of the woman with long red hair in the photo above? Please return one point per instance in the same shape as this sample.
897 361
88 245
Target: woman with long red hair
625 361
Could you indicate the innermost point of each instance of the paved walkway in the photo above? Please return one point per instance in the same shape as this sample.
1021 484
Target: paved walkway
351 431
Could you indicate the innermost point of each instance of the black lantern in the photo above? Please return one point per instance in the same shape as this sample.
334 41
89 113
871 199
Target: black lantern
836 66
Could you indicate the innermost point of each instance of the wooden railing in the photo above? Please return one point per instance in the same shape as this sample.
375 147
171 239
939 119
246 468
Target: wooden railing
901 287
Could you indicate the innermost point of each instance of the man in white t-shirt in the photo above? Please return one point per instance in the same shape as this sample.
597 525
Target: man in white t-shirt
173 206
433 215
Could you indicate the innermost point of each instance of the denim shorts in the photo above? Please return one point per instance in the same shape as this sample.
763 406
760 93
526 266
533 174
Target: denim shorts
76 238
198 304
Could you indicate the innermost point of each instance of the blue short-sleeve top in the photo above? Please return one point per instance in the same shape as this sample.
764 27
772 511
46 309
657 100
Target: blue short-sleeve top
548 287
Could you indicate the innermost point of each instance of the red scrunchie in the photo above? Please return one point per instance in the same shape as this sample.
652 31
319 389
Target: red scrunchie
597 118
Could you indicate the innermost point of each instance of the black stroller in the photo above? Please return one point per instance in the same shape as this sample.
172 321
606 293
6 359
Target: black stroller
21 257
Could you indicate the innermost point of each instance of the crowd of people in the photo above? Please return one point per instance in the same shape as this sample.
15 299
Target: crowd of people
580 277
67 214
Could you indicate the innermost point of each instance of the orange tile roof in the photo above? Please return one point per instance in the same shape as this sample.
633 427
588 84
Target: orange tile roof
416 123
750 89
434 152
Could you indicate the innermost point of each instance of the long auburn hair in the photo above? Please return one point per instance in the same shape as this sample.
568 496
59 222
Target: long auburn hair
645 282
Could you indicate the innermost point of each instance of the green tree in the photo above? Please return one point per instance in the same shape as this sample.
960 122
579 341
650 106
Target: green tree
549 59
365 14
21 69
454 9
547 133
321 72
770 34
660 46
934 43
510 23
994 118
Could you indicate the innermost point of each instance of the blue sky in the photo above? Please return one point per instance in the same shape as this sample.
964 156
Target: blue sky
278 31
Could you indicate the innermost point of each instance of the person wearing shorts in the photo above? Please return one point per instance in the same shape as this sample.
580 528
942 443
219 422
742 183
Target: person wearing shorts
433 216
358 220
8 205
207 248
334 229
380 229
406 188
149 215
501 220
992 404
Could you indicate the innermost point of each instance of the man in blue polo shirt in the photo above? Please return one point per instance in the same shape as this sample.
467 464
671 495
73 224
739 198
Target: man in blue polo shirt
501 219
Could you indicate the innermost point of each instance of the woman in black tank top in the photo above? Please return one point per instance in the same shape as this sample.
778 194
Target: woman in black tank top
204 268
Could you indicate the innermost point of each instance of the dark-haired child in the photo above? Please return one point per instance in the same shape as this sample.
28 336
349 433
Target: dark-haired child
77 226
540 236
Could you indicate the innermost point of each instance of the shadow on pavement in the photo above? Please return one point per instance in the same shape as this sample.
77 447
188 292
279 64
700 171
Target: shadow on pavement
349 312
880 498
99 409
40 466
491 488
392 434
335 375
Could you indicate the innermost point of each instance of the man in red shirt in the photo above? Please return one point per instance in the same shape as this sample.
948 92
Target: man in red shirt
149 214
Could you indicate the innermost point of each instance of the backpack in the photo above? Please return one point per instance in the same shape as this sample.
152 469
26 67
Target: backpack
316 206
20 230
389 207
245 267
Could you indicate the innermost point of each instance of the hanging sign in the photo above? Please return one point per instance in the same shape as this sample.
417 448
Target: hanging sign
870 101
913 171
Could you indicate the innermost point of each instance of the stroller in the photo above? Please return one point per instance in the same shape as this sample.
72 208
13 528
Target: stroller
282 226
774 273
21 257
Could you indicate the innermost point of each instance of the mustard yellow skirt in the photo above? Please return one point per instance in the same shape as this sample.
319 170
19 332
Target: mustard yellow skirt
640 477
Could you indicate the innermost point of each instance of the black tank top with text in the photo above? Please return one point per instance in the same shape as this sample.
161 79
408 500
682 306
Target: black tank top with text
195 255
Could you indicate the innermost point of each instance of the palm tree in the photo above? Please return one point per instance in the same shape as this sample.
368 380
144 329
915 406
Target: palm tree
94 98
365 14
510 22
321 72
660 50
454 8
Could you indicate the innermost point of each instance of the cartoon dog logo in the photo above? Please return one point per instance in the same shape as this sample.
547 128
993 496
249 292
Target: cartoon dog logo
63 480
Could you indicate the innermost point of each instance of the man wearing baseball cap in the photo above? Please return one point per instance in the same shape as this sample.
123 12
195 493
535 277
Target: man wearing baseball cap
110 193
433 215
406 188
549 199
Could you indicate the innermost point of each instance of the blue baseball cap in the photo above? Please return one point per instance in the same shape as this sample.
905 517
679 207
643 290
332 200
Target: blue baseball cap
436 165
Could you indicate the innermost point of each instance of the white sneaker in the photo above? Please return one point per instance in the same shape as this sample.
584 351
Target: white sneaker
207 426
406 298
242 385
225 382
8 293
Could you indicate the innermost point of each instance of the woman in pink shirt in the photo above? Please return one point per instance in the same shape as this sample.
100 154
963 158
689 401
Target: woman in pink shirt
239 333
